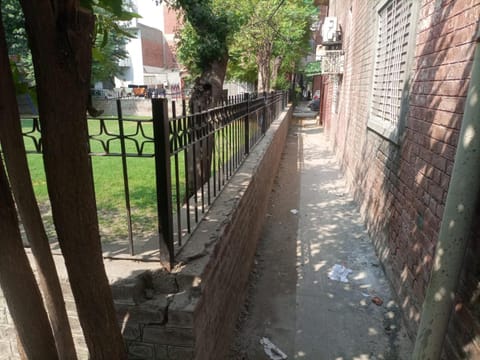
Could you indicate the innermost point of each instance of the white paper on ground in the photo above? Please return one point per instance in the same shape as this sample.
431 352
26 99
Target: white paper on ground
339 273
273 352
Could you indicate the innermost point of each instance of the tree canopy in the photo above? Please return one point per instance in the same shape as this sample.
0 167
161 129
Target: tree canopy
208 31
273 40
259 36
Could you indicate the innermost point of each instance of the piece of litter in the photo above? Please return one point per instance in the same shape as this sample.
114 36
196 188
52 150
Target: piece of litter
365 294
377 301
294 211
339 273
273 352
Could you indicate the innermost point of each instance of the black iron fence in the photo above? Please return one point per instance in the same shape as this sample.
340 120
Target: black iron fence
194 155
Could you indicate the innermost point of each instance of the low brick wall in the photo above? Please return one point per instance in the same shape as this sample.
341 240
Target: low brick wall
230 234
191 312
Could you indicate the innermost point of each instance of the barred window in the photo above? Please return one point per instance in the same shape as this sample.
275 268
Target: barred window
390 72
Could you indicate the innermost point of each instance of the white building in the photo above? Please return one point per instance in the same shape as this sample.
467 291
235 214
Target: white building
151 54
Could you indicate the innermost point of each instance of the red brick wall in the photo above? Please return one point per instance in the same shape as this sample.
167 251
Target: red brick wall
152 46
402 187
226 275
171 21
170 55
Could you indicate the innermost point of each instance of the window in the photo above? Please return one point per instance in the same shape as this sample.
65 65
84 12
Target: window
391 66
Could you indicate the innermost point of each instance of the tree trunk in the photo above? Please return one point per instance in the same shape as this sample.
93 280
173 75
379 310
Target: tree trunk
208 88
277 63
19 174
207 93
263 58
61 40
18 283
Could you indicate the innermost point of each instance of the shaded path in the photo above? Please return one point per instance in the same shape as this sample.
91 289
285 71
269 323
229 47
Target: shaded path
291 299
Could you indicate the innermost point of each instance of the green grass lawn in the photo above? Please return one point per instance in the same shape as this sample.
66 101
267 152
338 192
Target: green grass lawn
109 184
108 178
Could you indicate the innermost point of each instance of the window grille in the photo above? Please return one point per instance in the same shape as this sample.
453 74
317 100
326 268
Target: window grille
332 62
390 72
337 85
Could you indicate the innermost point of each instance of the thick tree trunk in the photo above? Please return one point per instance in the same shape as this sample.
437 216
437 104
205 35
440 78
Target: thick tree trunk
208 88
61 40
18 283
19 174
207 93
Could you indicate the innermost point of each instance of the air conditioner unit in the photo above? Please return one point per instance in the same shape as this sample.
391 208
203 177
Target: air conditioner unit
329 29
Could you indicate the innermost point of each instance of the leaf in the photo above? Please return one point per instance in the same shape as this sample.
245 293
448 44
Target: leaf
112 6
97 55
105 38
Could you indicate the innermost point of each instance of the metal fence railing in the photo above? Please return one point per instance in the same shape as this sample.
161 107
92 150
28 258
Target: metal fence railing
194 156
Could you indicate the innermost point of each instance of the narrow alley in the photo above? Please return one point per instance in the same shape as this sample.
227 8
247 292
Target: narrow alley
312 228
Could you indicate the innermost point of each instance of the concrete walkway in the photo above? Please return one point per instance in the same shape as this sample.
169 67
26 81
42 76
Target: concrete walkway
312 226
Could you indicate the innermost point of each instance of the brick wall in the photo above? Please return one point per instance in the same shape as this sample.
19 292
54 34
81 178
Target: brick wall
171 20
152 46
401 188
171 55
172 25
234 227
195 317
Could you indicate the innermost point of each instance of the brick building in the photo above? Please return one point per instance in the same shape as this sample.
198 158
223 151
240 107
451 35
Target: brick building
393 112
151 54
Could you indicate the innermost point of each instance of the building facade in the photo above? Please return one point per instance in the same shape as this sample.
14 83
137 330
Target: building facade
151 57
393 110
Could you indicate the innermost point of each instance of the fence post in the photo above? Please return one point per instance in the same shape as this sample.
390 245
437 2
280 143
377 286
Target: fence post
247 124
125 176
264 122
273 112
163 179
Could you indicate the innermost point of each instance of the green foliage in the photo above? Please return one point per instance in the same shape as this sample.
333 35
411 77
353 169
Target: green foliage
209 27
283 23
217 28
242 66
16 37
110 37
281 83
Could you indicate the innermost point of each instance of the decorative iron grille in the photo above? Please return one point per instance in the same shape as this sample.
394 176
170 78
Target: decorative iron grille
332 62
392 49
